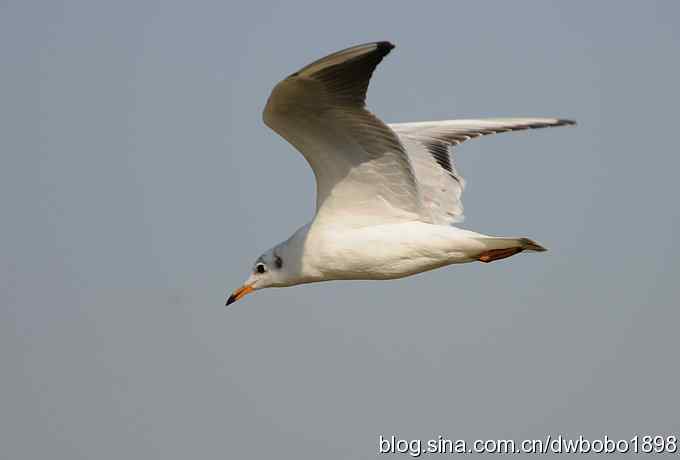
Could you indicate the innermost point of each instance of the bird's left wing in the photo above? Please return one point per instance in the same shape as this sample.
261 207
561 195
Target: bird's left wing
363 174
429 147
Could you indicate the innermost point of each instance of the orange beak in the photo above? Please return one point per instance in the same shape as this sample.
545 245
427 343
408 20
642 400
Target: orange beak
240 292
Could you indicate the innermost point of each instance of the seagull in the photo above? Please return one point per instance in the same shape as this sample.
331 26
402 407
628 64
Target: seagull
387 195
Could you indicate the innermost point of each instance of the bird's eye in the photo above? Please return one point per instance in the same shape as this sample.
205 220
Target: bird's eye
278 262
260 268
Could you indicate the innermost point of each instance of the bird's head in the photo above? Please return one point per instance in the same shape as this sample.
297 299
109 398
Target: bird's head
268 270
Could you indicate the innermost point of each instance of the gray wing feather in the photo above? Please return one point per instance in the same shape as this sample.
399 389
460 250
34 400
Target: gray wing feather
429 146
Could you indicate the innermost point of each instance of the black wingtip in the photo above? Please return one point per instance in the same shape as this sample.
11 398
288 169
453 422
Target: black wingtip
566 122
384 47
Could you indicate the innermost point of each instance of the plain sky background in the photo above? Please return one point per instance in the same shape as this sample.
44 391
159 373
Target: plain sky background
138 184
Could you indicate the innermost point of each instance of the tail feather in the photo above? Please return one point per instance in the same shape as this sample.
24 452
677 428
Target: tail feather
501 248
530 245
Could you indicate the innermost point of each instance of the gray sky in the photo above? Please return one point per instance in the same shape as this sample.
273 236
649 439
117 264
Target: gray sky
138 184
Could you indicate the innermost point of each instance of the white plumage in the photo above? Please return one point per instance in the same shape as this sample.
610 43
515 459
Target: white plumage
386 194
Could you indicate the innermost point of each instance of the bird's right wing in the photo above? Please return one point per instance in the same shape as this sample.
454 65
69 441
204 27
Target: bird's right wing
429 147
363 174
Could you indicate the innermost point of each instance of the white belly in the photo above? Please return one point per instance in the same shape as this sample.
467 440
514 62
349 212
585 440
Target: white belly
391 251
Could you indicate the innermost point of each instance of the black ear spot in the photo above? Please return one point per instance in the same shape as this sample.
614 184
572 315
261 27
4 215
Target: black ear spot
278 262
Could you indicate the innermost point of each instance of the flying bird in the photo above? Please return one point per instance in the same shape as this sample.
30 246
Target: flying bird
387 195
